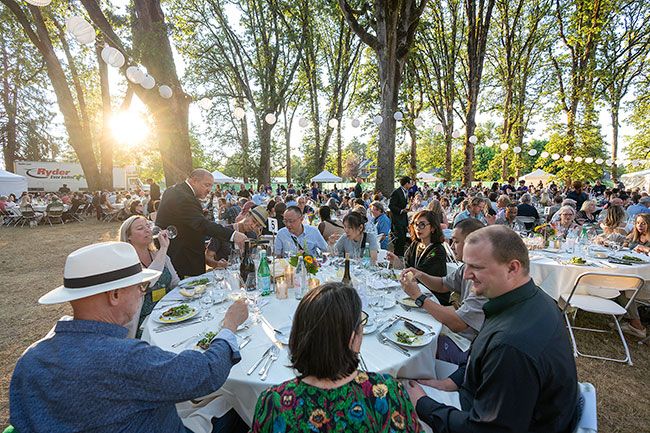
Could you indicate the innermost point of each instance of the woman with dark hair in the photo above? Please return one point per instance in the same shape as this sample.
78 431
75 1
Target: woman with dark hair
327 227
426 252
330 393
136 208
356 241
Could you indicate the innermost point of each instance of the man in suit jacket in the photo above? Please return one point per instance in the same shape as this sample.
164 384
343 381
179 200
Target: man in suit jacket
399 214
180 207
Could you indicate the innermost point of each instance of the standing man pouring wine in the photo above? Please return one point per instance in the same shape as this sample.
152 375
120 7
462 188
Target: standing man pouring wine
180 206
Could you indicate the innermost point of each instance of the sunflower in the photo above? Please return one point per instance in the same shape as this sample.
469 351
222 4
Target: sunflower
309 260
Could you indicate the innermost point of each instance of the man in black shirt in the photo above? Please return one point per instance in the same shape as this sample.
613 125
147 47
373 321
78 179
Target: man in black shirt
154 194
521 373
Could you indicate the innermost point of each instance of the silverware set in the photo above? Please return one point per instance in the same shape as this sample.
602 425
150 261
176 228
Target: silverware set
270 356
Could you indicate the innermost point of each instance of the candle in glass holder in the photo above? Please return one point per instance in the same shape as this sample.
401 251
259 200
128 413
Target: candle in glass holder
313 283
289 274
281 289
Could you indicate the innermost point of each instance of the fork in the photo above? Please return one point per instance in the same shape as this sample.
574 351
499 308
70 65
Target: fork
384 340
273 357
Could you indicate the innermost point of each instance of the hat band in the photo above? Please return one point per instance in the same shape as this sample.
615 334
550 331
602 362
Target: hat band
255 213
106 277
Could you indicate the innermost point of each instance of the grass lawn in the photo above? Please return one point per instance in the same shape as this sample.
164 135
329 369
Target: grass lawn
31 263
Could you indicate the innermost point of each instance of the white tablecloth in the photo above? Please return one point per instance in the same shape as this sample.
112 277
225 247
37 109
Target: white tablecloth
555 277
241 391
43 207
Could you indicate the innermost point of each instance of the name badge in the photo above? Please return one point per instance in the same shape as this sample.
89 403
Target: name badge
158 294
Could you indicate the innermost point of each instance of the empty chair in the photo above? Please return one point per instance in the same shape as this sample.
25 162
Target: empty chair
54 212
594 292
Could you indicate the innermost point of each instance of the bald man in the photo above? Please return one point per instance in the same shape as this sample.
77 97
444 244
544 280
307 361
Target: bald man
181 207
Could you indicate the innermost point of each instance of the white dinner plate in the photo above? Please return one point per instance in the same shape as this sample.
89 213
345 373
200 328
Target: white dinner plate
370 327
407 302
162 319
398 326
187 282
284 334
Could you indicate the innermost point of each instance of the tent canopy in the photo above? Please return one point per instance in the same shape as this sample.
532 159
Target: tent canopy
639 179
428 177
536 176
219 177
11 183
326 177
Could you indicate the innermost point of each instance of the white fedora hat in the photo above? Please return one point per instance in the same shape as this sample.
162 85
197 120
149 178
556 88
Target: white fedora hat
97 269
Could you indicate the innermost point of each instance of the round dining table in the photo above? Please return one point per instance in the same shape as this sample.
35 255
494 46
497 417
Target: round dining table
269 324
552 271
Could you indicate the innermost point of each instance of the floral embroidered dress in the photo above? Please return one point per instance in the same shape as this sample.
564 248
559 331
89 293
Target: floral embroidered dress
372 402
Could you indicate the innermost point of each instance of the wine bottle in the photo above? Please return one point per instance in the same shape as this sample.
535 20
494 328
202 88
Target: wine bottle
247 264
347 279
264 275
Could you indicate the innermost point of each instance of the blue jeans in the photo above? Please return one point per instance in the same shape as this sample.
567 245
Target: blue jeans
231 422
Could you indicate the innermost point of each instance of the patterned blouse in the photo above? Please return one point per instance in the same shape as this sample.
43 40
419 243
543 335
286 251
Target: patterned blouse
372 402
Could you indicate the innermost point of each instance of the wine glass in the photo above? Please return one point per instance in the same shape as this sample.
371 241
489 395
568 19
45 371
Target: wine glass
172 232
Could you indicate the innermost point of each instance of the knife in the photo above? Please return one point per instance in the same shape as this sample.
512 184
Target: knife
252 369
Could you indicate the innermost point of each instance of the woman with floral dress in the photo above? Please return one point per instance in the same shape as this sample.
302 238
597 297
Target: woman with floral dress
330 394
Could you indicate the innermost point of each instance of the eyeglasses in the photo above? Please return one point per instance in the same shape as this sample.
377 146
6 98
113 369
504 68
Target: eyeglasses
364 319
144 288
421 225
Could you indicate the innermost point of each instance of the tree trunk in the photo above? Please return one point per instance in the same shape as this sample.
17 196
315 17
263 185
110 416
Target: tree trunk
614 142
264 173
105 140
10 103
339 152
245 146
413 166
170 115
390 75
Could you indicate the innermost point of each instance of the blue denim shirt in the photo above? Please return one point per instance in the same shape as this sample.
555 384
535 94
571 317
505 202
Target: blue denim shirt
88 377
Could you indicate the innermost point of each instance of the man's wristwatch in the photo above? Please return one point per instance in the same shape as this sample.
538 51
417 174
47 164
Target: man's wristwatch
420 300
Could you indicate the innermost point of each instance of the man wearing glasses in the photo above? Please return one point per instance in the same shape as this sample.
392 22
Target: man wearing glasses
86 375
295 237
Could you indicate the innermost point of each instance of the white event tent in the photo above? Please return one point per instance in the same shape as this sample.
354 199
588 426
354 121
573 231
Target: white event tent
326 177
219 177
537 175
639 179
428 177
12 183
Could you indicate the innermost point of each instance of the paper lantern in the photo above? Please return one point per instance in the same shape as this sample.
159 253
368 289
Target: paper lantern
377 119
113 56
504 146
398 115
438 128
544 154
418 122
489 142
567 158
532 152
555 156
473 139
134 74
239 113
608 161
39 3
516 149
333 123
356 123
270 118
148 82
578 159
165 91
455 133
205 103
303 122
599 161
81 29
589 160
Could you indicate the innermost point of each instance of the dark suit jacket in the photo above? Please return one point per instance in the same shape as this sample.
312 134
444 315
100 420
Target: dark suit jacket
179 207
154 192
397 203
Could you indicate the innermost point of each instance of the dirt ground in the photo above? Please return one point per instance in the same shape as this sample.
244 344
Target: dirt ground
31 263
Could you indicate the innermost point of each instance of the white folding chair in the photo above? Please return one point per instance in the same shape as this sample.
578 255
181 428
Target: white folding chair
587 420
451 257
593 292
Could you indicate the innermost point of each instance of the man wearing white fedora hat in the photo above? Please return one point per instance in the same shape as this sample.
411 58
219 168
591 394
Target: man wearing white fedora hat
87 376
